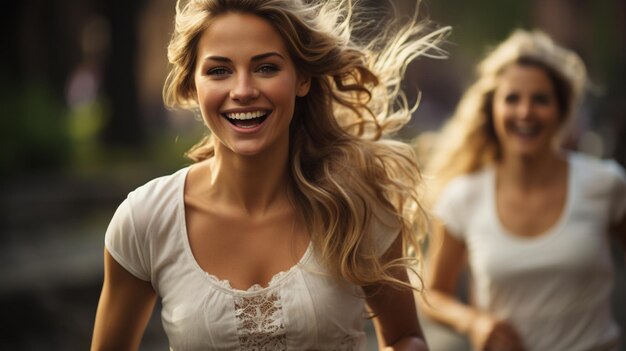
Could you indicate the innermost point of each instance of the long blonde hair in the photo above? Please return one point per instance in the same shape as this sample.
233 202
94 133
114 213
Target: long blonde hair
467 141
345 174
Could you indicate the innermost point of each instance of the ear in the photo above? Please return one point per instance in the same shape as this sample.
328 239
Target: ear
302 86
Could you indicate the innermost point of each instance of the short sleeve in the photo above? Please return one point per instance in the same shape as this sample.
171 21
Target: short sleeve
124 244
448 208
618 192
384 234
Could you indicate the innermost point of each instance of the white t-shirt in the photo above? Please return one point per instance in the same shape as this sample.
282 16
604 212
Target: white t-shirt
554 288
301 309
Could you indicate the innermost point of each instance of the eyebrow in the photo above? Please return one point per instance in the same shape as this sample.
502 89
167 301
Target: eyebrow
254 58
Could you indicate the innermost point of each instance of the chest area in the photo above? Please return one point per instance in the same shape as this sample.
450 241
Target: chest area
302 310
531 213
575 245
245 252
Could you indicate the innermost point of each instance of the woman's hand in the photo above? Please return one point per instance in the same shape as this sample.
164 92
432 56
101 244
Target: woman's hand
488 333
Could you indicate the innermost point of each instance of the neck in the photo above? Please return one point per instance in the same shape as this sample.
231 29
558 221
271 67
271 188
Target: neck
253 184
532 172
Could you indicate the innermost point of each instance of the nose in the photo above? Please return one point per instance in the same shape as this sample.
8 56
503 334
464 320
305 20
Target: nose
524 109
244 90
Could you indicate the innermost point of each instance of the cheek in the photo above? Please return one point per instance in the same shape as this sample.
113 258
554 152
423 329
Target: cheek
209 102
499 113
210 96
553 113
282 90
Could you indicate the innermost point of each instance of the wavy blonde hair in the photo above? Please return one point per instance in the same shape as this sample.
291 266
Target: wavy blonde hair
345 174
468 141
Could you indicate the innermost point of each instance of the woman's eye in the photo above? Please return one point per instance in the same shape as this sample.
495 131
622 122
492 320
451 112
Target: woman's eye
511 98
542 99
217 71
267 69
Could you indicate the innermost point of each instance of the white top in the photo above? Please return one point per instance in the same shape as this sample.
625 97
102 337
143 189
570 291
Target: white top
554 288
301 309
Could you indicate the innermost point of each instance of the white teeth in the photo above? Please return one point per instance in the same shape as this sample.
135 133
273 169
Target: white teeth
245 115
525 128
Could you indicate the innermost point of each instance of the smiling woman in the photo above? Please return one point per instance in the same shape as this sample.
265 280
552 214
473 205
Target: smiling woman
247 85
531 219
298 216
526 113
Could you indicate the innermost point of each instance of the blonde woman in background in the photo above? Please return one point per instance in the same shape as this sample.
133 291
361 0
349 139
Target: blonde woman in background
531 220
297 213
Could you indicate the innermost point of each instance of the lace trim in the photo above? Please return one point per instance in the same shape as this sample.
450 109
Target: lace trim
225 283
260 324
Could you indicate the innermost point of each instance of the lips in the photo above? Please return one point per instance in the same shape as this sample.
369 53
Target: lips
248 119
525 130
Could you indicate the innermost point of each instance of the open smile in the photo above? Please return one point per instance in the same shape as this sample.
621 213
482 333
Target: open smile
525 130
246 120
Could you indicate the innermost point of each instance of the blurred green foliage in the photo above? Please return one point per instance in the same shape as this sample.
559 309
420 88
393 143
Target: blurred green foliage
34 131
479 23
85 123
39 133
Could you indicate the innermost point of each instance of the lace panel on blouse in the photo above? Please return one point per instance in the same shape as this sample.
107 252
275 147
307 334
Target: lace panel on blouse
260 324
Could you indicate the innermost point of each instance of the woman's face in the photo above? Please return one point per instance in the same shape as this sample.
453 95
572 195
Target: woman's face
246 84
526 114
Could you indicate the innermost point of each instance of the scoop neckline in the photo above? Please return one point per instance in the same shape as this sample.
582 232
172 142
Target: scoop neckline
551 231
224 284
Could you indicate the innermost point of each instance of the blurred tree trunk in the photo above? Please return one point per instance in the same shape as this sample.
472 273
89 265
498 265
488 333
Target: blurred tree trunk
125 125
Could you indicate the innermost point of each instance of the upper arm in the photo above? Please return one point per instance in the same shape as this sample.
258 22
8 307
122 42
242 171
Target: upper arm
446 258
125 306
394 309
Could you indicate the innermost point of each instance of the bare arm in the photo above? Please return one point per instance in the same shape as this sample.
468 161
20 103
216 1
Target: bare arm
125 306
447 256
396 320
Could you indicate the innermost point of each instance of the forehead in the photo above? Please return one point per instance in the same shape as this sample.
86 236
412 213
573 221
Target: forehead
239 33
524 77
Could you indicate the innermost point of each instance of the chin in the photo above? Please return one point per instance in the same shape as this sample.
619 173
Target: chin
532 148
247 151
532 153
243 148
